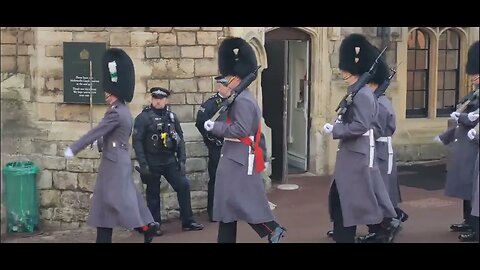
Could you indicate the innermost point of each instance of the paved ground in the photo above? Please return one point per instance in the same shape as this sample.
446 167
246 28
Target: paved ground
304 212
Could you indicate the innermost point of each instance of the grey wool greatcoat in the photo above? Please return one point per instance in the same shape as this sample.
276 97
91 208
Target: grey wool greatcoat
475 179
116 200
239 196
363 196
387 121
461 160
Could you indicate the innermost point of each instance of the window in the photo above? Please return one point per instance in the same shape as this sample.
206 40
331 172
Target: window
418 63
448 72
435 71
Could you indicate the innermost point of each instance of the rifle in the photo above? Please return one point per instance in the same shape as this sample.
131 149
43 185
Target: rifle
236 91
383 87
347 100
214 140
462 105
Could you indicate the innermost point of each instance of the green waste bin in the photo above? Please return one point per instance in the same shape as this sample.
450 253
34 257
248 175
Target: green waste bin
20 196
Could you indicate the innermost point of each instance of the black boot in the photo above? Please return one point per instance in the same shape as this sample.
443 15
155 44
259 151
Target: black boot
194 226
468 237
376 237
152 230
277 235
159 232
402 216
462 227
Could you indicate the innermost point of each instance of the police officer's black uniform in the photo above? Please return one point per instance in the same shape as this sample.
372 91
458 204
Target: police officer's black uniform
160 150
213 143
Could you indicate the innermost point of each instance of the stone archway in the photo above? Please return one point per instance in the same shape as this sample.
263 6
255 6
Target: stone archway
320 85
319 80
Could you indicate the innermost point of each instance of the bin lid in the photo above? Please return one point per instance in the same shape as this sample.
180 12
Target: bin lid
21 167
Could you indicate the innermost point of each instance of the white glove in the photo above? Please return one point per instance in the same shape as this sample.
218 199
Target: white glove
266 165
328 128
437 140
68 153
472 132
472 116
208 125
454 115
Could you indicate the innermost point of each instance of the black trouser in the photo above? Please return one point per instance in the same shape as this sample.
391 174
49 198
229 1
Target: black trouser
227 232
213 159
475 224
341 234
467 211
178 182
104 235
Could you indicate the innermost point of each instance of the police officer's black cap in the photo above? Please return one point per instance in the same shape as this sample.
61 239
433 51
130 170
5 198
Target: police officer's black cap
473 64
356 54
241 63
159 92
118 74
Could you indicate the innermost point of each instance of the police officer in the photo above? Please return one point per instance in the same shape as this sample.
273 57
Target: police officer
385 231
243 196
160 150
213 143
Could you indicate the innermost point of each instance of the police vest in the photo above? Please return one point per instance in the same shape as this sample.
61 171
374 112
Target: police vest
161 135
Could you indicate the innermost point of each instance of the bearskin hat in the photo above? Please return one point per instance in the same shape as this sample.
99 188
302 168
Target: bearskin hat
356 54
118 74
473 65
236 58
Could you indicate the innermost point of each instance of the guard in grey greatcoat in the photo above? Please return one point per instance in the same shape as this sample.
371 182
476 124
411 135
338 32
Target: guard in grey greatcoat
461 161
116 201
473 69
386 231
473 235
240 193
358 195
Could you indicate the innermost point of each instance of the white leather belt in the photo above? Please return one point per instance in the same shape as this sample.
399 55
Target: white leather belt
237 140
372 147
251 156
388 140
382 139
390 155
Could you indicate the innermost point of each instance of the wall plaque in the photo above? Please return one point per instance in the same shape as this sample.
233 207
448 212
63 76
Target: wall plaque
80 61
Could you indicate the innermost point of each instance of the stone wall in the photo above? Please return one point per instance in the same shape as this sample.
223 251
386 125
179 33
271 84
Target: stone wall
37 125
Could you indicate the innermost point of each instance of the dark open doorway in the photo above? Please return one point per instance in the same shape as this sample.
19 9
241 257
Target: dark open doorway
285 90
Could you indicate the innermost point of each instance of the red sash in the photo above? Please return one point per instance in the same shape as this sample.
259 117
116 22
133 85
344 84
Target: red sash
258 151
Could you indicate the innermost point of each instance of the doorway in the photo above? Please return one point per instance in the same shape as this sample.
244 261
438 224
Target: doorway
285 95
